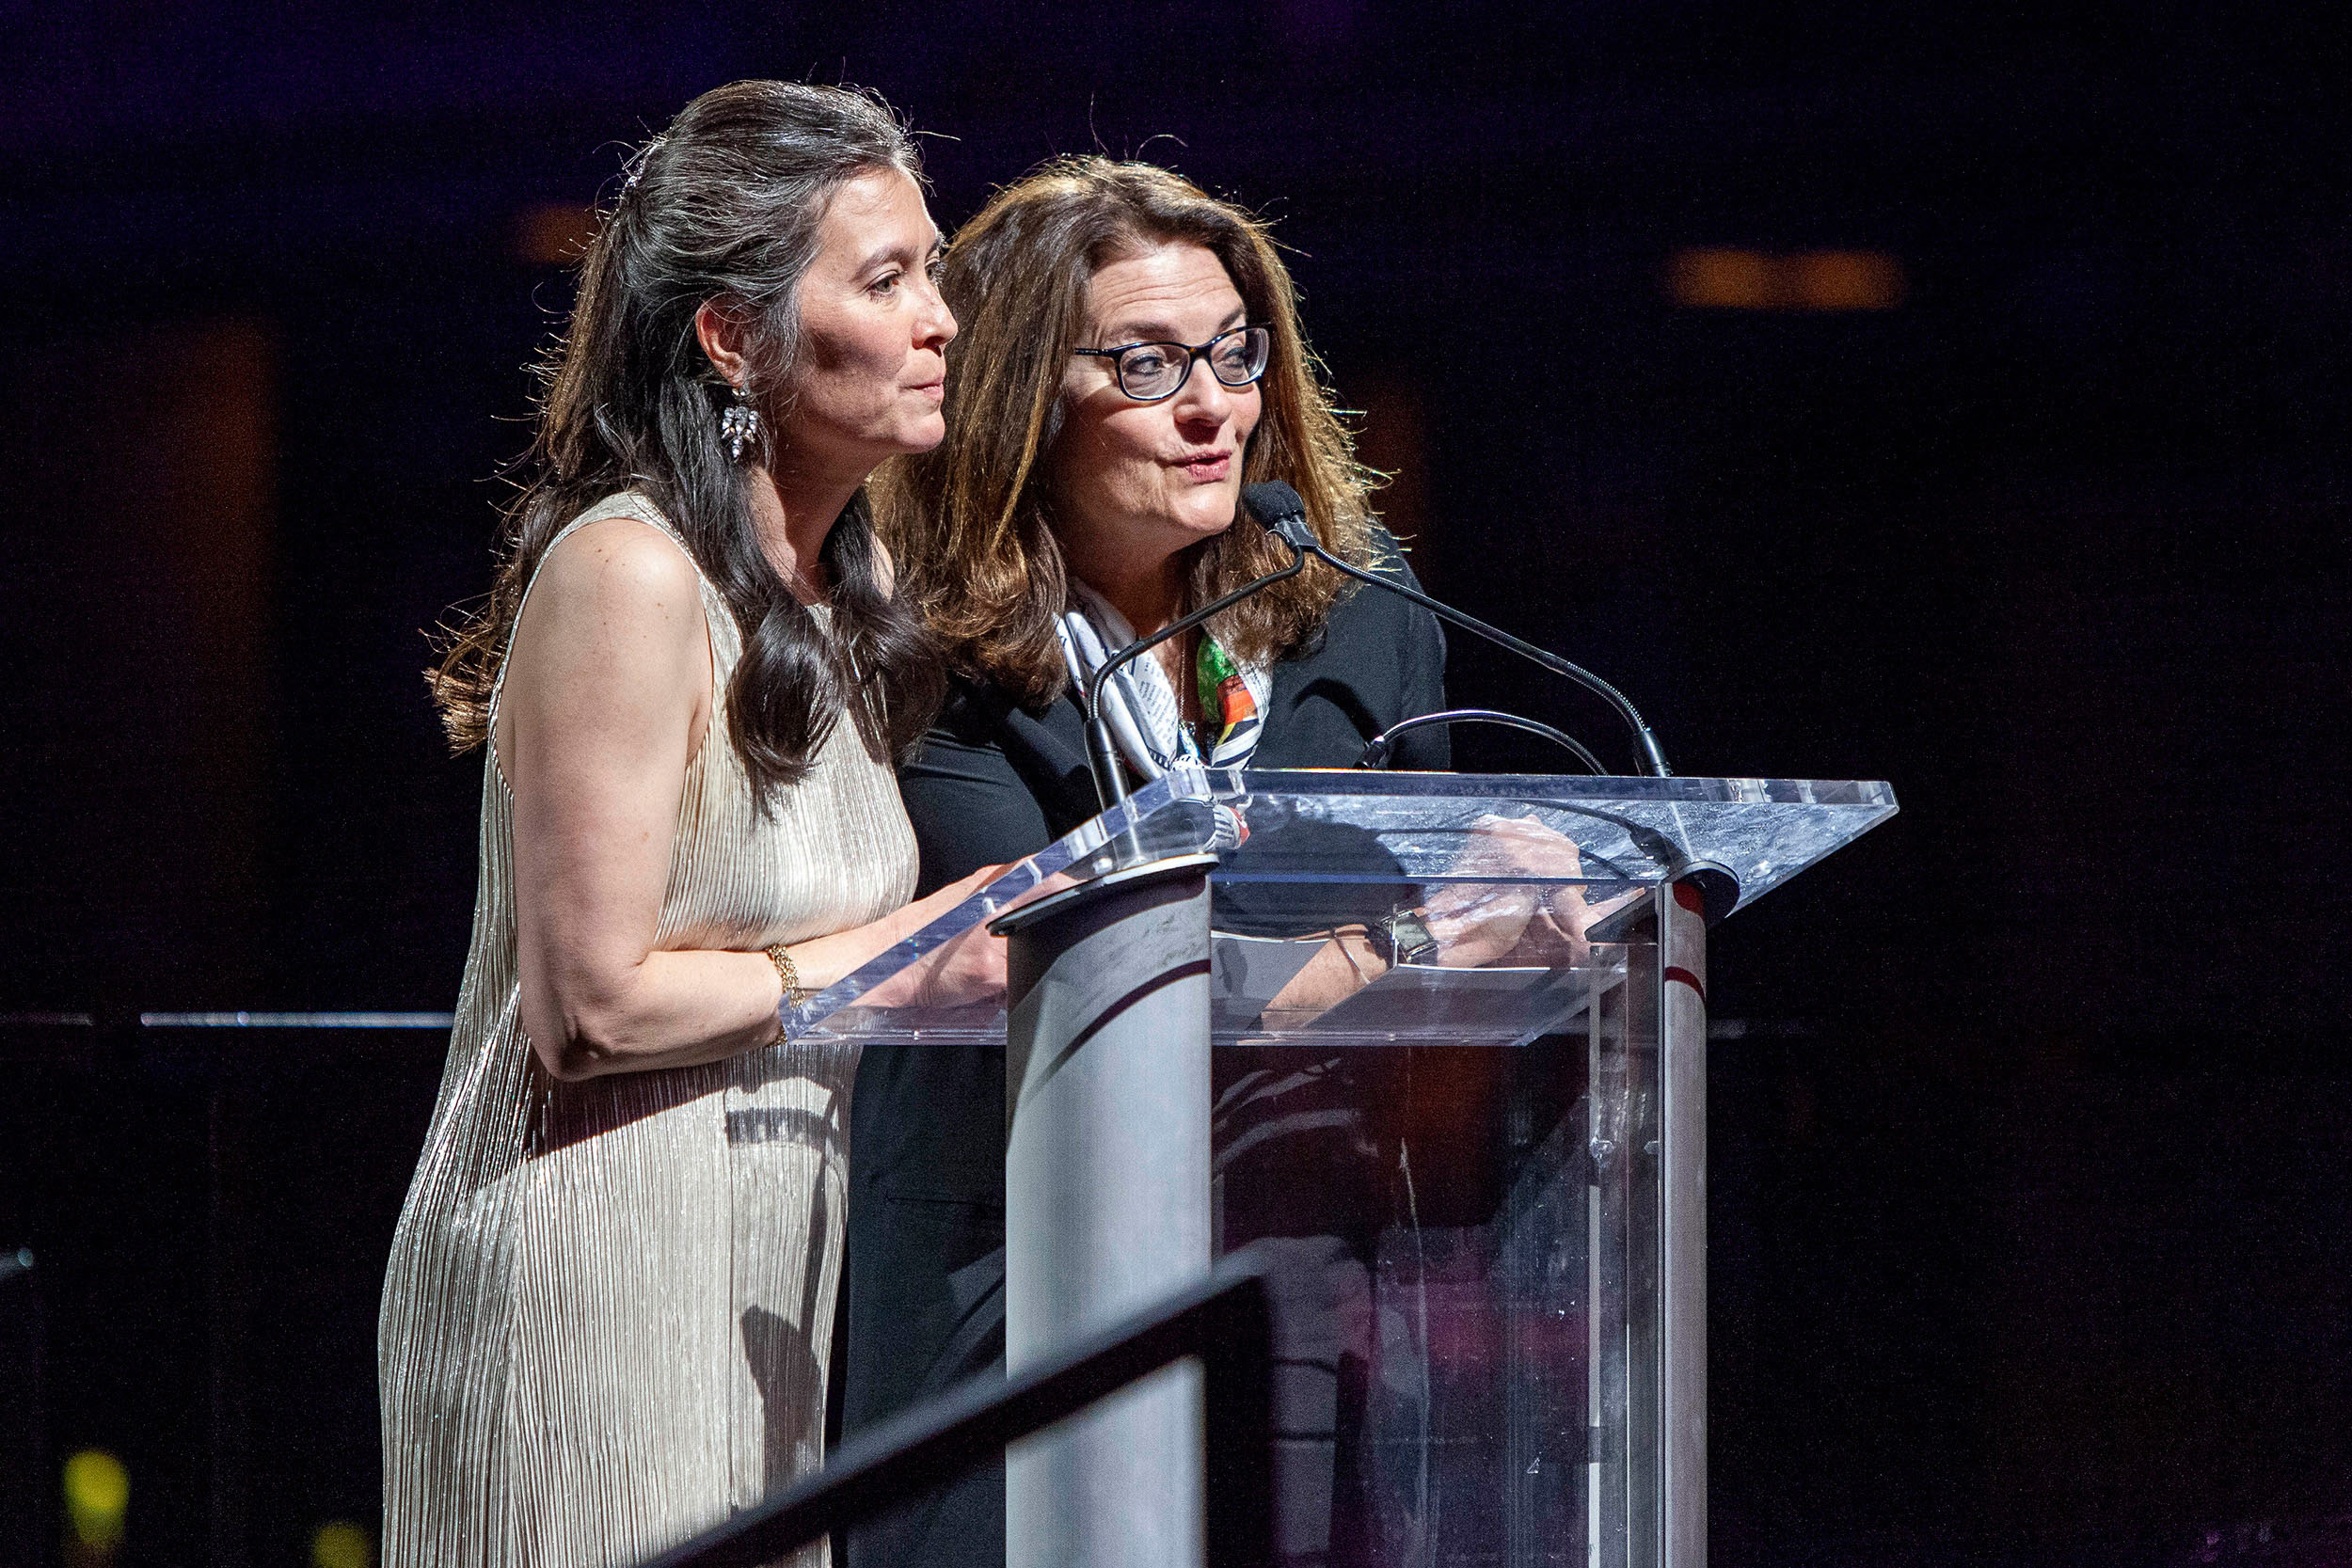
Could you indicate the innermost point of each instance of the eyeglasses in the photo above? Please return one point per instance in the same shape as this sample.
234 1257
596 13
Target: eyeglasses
1154 373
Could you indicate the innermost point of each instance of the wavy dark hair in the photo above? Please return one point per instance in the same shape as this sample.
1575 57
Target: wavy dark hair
724 207
972 522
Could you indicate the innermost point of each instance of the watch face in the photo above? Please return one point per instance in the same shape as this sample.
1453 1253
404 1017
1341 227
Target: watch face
1410 939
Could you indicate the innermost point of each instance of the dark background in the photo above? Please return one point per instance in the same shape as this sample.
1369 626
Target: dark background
2028 1201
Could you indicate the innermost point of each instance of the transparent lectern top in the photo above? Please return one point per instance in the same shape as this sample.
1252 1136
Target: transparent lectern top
1305 854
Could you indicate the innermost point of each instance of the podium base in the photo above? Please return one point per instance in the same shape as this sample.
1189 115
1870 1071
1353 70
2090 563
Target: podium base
1106 1201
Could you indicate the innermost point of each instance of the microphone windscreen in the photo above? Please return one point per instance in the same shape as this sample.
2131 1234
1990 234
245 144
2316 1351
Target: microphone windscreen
1272 500
1277 506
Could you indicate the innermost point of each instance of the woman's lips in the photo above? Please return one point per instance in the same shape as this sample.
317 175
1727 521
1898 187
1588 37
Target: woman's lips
935 390
1207 468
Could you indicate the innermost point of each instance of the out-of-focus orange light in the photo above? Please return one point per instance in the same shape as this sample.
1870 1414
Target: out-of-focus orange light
1719 278
1724 279
554 234
1845 280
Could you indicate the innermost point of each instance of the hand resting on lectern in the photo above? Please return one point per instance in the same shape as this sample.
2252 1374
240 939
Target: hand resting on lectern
967 971
1506 922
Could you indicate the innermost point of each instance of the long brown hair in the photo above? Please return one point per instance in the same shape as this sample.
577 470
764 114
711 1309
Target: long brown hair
969 524
723 206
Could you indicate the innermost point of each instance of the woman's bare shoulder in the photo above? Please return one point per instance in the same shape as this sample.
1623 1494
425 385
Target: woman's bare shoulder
617 599
620 567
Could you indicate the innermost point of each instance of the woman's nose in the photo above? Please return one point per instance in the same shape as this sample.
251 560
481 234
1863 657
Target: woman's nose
939 325
1203 397
936 326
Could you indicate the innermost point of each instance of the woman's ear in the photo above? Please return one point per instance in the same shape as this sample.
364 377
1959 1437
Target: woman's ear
724 340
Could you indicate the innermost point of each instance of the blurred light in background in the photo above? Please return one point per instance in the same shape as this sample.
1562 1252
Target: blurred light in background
554 234
342 1544
97 1493
1724 278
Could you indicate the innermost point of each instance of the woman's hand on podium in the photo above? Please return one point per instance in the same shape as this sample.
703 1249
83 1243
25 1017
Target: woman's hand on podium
968 970
1511 921
969 965
1505 920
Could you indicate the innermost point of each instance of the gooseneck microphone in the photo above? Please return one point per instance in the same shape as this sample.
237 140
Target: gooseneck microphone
1278 506
1110 782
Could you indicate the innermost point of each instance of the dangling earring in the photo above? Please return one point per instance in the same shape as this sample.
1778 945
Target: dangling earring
738 424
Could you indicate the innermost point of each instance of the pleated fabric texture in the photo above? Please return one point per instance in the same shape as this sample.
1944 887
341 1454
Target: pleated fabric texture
609 1307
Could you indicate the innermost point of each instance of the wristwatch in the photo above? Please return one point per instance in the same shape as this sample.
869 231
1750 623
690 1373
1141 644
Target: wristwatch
1403 939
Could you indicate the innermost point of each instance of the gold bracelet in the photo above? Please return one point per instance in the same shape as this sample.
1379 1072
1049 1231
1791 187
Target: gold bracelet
789 973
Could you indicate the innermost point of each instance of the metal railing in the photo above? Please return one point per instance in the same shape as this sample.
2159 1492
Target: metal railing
1224 1321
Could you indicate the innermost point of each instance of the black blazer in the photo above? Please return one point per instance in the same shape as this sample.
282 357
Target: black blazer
994 783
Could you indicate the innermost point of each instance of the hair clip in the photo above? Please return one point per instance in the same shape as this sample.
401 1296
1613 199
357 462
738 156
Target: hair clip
637 165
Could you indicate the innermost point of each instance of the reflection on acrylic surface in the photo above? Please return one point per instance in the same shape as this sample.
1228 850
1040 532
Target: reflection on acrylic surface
1370 908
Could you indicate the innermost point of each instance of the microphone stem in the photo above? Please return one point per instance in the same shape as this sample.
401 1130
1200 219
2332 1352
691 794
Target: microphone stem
1110 782
1652 759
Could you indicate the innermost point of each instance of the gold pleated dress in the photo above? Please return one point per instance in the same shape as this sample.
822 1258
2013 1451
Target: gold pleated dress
610 1302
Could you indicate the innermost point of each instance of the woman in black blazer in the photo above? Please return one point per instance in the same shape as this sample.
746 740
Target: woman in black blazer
1130 354
996 781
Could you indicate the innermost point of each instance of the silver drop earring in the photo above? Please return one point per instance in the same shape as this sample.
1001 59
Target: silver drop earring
740 423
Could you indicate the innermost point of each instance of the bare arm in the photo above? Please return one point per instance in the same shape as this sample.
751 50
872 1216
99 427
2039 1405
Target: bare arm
607 696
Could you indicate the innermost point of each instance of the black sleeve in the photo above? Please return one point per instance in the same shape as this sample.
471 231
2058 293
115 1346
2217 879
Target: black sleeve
1378 659
969 807
1423 674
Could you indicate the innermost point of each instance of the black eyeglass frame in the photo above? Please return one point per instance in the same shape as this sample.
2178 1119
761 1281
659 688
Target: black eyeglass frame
1193 353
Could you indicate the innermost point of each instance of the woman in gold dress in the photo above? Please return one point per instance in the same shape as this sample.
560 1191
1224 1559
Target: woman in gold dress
606 1319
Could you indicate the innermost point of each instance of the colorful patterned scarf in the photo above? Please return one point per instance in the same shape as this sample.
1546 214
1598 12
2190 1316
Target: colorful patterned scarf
1140 701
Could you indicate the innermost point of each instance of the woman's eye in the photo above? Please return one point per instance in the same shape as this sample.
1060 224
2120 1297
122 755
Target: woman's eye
1146 361
886 283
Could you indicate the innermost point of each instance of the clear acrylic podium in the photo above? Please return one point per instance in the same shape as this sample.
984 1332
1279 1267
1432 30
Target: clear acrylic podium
1349 1015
